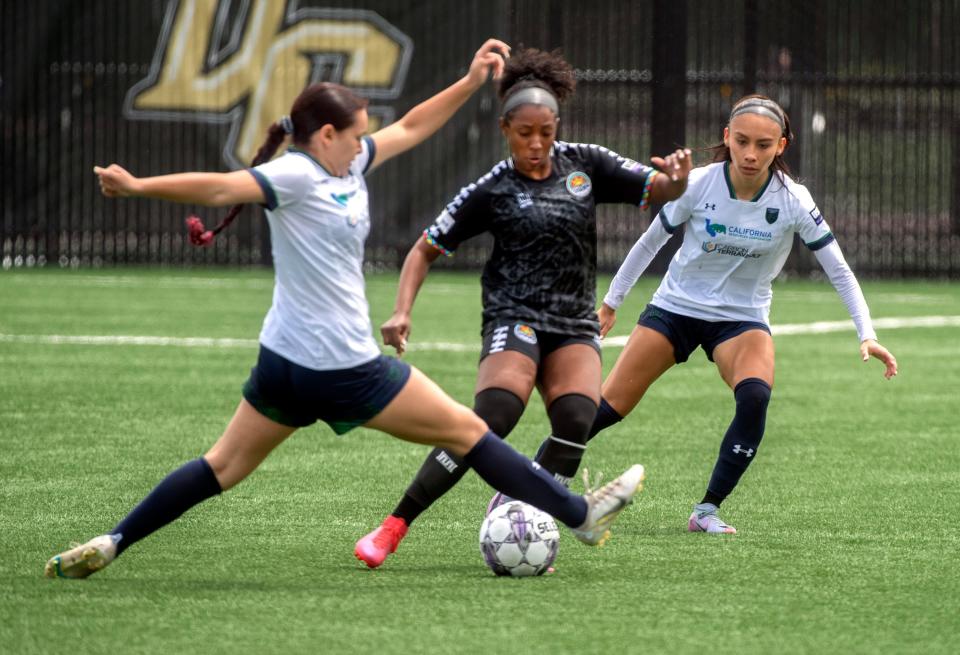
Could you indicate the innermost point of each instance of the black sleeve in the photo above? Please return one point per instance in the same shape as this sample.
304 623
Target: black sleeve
615 178
466 216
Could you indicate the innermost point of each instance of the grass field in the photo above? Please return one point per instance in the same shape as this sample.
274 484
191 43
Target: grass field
848 530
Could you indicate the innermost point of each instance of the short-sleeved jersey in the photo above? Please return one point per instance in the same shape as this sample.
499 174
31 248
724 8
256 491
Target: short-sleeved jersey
733 249
319 318
542 270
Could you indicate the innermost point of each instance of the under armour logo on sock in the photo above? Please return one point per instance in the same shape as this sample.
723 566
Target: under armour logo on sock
746 451
444 460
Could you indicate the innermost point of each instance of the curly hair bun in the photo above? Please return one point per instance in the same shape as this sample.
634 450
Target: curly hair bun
532 67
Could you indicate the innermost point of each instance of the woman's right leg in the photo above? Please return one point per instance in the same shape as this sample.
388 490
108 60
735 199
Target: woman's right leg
647 355
504 383
248 439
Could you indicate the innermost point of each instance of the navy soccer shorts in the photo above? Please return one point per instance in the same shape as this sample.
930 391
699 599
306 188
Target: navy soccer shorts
535 344
686 333
345 398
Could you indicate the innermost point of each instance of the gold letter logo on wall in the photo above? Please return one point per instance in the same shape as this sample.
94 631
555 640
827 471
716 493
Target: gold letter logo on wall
271 53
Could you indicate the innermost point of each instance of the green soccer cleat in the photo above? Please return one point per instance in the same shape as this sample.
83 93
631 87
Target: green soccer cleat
605 503
83 559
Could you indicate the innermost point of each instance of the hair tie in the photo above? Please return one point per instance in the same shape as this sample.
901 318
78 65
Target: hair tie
287 124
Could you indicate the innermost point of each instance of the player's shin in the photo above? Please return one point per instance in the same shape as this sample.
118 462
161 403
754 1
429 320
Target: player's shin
185 487
561 455
506 470
742 440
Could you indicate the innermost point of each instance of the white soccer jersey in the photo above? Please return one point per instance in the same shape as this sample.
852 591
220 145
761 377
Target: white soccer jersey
733 249
319 318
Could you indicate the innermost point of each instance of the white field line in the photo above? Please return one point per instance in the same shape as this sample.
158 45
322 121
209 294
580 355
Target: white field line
208 342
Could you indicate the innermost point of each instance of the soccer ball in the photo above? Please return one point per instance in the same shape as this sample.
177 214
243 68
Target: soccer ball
518 539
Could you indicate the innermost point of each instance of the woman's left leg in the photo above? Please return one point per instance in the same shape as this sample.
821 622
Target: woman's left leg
746 364
570 379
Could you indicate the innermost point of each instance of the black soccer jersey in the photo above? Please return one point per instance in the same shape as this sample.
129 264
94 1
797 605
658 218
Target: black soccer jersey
543 267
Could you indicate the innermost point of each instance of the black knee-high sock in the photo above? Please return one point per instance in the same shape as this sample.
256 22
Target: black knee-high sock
605 417
571 417
192 483
740 443
501 410
509 472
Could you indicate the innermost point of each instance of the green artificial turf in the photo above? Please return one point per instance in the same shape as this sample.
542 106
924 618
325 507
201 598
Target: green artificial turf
848 536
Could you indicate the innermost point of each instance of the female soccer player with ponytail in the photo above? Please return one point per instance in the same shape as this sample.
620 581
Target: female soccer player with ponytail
318 358
539 285
738 217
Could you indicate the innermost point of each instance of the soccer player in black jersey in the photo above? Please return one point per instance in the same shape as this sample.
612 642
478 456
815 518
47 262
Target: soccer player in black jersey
539 323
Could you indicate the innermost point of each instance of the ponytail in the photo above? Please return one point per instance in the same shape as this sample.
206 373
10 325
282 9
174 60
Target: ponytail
199 236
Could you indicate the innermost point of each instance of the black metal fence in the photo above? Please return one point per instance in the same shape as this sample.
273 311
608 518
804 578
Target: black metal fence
873 90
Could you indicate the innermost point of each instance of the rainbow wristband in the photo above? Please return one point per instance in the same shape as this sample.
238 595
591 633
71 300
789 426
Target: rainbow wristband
645 200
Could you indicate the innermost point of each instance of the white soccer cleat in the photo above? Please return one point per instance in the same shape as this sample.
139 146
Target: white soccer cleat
605 503
705 519
83 559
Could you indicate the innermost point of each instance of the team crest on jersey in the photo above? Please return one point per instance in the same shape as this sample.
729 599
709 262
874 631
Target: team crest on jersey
525 333
579 184
772 214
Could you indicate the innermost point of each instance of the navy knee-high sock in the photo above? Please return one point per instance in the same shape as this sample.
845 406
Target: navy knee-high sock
190 484
550 450
740 443
509 472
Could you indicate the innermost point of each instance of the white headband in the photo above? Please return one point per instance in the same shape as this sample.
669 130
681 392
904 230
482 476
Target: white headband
532 95
761 107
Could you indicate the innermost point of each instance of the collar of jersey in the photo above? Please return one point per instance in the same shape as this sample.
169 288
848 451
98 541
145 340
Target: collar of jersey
298 151
548 178
733 192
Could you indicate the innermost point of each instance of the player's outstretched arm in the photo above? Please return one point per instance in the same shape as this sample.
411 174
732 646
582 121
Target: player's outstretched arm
209 189
431 114
396 330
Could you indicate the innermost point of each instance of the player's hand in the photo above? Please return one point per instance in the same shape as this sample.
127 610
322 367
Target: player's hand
608 317
395 332
490 58
115 181
870 348
677 165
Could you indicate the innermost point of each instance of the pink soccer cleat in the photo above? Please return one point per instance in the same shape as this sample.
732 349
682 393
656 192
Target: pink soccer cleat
373 549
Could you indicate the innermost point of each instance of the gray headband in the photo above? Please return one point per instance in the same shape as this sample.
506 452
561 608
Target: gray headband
761 107
532 95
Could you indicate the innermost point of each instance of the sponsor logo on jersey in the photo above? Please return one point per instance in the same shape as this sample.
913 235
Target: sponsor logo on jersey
712 206
713 229
816 216
726 249
524 200
241 63
578 184
342 199
525 333
772 214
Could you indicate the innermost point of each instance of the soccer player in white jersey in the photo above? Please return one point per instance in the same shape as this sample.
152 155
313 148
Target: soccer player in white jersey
738 217
318 359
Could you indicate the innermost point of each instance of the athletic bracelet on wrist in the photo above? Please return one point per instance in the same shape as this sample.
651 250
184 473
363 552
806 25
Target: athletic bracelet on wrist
645 200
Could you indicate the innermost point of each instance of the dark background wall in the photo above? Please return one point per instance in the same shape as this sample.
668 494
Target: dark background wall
873 89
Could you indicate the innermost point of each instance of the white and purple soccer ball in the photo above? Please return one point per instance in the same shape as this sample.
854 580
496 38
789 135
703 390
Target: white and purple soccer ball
518 539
